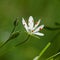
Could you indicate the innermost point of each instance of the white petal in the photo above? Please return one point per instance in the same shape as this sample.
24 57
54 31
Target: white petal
39 28
37 24
40 34
25 25
31 22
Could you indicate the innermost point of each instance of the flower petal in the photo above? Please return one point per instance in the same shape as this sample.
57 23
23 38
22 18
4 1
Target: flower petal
39 28
36 24
25 25
38 33
31 22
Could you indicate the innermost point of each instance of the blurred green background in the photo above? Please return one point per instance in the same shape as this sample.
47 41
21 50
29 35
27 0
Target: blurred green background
47 10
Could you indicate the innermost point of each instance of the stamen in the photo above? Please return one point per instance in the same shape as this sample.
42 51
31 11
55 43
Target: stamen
32 30
40 28
36 23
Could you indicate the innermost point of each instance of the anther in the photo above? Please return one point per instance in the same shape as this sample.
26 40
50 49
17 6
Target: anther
36 23
40 28
32 30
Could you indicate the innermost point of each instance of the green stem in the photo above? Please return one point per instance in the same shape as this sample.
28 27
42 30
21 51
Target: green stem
49 28
49 43
9 37
42 52
56 23
53 56
23 41
13 29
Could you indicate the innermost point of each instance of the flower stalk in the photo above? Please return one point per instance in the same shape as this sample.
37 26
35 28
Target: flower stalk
44 49
53 56
12 34
49 28
23 41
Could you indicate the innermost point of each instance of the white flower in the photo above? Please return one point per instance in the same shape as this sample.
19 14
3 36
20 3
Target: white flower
30 28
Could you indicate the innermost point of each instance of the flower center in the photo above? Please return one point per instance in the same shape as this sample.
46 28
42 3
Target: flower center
40 28
31 31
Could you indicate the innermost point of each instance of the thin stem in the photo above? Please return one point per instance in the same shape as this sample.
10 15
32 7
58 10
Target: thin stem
47 46
53 56
4 43
23 41
44 49
56 23
13 29
49 28
9 37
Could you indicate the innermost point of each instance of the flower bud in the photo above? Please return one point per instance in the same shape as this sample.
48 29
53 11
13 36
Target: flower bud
16 21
